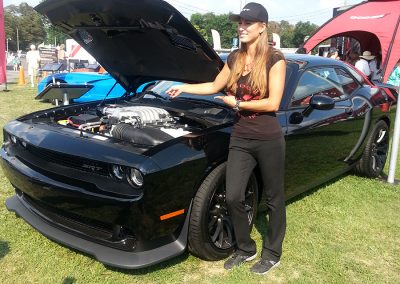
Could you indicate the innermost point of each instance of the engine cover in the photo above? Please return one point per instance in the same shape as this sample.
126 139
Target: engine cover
138 114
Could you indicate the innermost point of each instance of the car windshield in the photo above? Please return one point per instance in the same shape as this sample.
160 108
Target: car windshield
162 86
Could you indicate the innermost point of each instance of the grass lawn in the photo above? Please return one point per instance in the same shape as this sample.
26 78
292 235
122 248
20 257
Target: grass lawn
347 231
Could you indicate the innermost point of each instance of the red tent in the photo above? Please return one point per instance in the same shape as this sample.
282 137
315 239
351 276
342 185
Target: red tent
374 23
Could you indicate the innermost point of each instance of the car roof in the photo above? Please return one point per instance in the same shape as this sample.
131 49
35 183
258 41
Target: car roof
305 60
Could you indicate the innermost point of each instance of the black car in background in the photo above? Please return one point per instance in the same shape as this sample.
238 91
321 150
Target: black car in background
136 180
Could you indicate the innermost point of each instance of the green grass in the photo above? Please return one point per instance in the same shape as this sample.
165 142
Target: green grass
347 231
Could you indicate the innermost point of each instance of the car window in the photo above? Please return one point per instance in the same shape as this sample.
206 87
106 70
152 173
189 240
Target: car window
320 81
360 79
349 85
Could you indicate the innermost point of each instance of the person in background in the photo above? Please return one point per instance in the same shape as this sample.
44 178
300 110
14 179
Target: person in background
301 50
354 56
61 53
374 67
333 53
33 60
362 63
16 62
254 77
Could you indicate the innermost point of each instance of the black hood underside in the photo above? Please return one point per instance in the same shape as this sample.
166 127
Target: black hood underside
136 41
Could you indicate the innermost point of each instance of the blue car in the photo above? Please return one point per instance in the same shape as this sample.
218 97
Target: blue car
102 84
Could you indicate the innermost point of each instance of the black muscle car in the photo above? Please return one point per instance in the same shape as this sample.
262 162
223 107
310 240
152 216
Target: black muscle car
137 180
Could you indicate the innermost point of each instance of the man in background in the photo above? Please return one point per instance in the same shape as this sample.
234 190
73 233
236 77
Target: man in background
33 60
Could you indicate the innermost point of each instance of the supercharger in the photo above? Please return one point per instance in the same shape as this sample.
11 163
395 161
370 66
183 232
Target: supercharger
144 117
138 115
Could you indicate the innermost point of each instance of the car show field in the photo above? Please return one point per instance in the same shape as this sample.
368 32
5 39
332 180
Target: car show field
122 182
343 231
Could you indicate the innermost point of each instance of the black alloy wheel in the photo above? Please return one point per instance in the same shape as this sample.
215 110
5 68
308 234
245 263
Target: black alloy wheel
211 235
376 151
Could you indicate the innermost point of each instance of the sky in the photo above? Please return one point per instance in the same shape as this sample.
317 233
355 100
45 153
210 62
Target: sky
293 11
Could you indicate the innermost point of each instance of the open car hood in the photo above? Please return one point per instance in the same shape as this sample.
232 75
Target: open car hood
136 41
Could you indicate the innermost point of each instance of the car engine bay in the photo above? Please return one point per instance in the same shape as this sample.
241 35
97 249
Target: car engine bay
144 125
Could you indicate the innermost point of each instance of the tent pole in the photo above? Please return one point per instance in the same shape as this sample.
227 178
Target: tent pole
396 133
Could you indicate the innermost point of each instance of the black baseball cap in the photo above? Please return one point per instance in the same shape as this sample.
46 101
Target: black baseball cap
253 12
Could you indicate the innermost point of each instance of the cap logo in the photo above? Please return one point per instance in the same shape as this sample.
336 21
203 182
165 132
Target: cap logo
246 10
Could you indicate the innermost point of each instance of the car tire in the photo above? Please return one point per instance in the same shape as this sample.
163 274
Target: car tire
375 153
211 235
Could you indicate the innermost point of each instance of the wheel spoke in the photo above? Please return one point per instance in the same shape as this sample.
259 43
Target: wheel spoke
212 223
373 158
382 148
221 237
214 212
381 136
218 229
229 230
380 160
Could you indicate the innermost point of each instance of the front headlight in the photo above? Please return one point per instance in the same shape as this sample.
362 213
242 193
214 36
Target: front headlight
13 139
135 177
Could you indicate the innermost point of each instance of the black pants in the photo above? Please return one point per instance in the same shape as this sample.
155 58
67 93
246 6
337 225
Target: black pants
244 155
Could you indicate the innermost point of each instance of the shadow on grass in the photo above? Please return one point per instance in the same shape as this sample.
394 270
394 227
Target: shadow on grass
4 249
69 280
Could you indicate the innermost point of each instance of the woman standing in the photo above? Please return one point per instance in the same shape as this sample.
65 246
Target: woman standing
254 78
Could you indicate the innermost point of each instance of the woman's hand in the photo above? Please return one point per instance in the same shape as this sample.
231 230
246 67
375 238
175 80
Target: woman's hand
228 100
175 91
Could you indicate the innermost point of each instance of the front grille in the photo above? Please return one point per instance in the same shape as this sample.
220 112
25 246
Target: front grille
80 226
79 163
89 175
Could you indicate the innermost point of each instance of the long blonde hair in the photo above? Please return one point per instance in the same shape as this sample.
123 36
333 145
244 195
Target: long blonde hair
258 76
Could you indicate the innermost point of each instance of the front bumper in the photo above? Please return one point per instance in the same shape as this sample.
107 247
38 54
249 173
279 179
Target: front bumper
87 239
106 255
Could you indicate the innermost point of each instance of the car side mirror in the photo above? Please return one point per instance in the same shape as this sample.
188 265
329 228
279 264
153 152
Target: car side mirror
320 102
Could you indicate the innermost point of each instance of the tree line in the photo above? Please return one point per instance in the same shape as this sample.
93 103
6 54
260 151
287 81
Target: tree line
291 35
24 26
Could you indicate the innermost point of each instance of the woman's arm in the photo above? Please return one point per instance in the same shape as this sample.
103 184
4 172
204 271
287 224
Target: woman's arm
276 85
204 88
